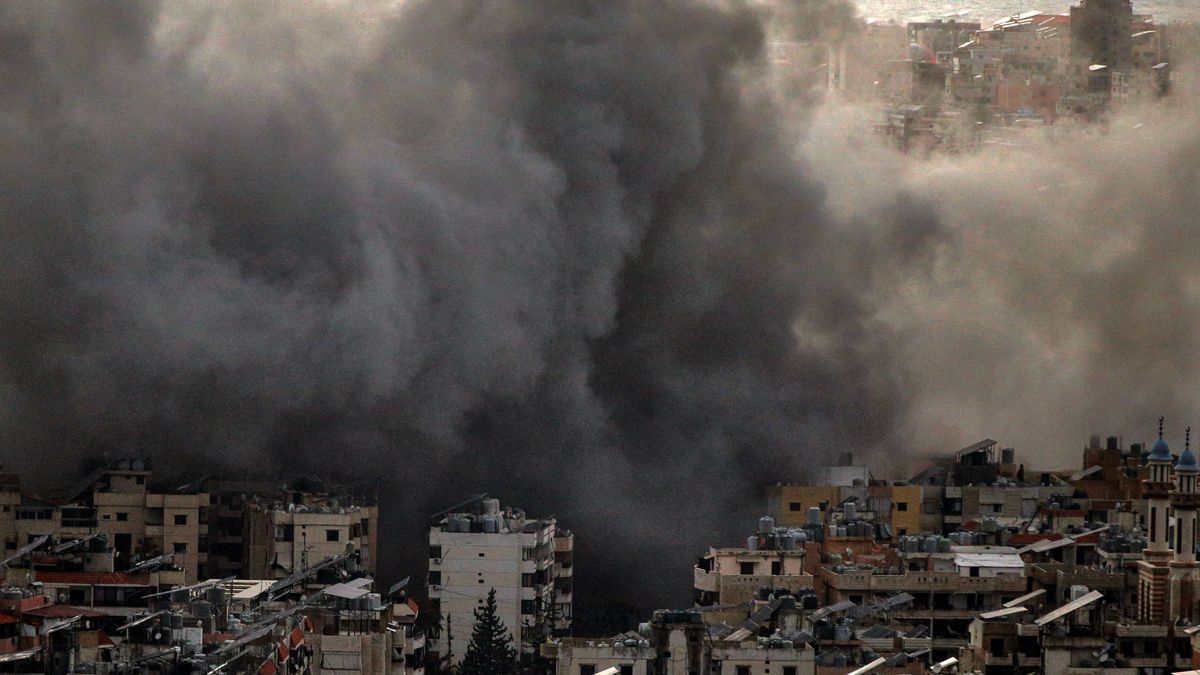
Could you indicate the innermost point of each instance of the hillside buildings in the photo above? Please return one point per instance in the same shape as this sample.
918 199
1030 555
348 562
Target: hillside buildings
975 564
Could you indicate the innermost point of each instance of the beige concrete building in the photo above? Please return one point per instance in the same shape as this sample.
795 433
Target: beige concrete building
280 538
731 577
115 501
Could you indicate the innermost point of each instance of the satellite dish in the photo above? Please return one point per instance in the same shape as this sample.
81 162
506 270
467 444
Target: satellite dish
158 636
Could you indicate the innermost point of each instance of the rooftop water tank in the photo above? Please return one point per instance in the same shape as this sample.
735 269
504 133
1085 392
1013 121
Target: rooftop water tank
766 525
813 515
850 511
491 506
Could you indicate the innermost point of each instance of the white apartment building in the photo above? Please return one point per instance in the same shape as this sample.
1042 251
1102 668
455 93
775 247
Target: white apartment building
480 546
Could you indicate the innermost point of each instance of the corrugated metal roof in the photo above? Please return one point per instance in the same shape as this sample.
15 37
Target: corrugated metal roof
1000 613
832 609
1043 545
1072 606
1005 560
345 591
976 447
1025 598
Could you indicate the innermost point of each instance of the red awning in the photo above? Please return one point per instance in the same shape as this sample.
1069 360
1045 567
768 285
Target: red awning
296 638
268 668
283 651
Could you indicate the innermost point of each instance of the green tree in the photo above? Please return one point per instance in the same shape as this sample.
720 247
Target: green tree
490 651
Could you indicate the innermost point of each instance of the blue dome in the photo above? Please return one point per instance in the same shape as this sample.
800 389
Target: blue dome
1187 461
1160 451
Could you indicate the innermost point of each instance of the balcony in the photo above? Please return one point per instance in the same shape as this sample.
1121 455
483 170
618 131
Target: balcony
753 582
706 581
945 582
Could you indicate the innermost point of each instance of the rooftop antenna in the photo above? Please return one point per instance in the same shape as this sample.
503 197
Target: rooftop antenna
1160 423
1187 438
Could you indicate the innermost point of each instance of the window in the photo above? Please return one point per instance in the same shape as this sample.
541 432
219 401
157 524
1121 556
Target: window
284 533
141 480
795 506
776 567
435 578
364 526
789 670
743 670
902 531
747 567
435 552
180 519
587 669
122 517
997 647
628 670
180 547
901 506
527 607
332 535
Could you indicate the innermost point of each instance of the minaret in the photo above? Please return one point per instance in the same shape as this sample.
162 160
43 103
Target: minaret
1153 573
1185 573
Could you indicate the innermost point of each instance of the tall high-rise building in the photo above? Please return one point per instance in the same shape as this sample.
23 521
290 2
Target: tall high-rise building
479 546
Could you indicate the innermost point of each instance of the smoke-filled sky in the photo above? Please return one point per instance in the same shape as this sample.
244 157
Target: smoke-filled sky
577 254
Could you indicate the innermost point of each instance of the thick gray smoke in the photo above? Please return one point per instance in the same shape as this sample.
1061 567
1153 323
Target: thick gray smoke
558 251
575 254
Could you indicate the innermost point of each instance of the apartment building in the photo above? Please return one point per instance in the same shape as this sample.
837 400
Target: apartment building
114 500
479 546
726 578
282 538
228 502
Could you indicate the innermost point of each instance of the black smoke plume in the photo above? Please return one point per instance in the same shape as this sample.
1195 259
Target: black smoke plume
576 254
